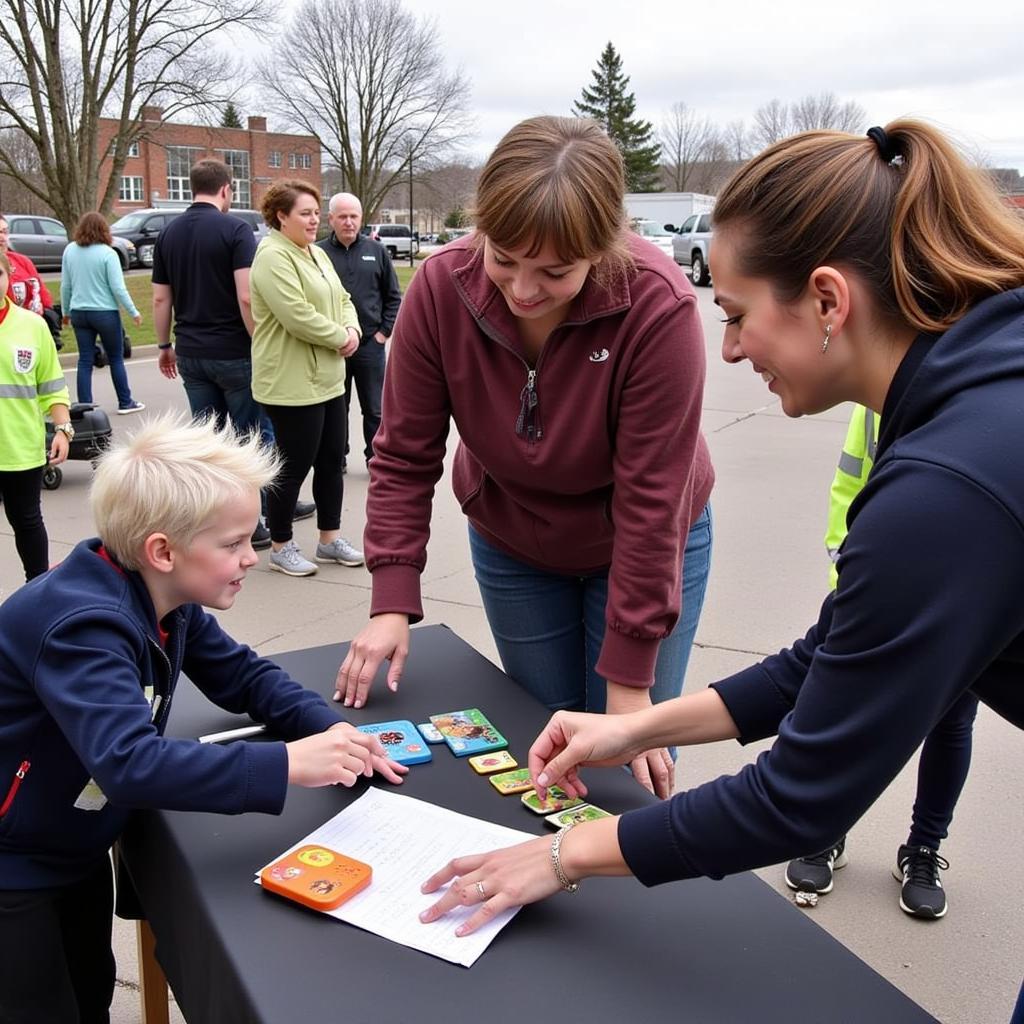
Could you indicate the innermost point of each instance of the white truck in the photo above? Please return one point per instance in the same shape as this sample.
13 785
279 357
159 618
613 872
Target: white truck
669 209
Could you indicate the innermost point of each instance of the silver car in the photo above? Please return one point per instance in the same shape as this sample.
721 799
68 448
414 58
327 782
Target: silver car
44 239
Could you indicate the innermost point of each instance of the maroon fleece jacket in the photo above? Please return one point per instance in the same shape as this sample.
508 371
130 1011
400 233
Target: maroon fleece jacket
600 464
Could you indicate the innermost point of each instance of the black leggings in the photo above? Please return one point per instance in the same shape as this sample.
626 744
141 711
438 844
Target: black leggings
56 964
20 491
307 436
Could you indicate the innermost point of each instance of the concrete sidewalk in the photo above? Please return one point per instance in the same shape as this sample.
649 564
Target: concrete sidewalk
768 578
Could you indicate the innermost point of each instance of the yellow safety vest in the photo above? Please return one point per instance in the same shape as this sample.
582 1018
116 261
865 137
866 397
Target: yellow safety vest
855 462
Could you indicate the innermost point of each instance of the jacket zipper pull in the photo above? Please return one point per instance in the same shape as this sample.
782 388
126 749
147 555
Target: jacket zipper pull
15 784
527 406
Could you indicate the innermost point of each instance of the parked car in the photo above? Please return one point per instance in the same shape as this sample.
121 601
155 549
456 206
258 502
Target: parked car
254 219
44 239
398 239
654 232
141 228
691 247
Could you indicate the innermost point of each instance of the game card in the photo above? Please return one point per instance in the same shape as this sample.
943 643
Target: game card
429 733
468 732
317 877
501 760
401 741
557 800
512 782
576 816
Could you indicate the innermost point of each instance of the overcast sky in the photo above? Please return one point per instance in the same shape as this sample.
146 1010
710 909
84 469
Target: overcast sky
960 67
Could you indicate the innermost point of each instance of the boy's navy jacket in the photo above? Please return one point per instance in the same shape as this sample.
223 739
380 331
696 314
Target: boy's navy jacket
79 646
930 603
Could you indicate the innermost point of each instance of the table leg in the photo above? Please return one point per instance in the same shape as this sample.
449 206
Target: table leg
152 983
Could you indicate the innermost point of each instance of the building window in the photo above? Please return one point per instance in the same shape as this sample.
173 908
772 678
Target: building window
296 160
131 190
179 162
307 160
275 158
133 149
293 160
238 161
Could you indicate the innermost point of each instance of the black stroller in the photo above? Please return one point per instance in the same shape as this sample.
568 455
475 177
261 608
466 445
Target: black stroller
91 440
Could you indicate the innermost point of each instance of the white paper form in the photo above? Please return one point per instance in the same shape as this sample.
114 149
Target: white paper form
405 841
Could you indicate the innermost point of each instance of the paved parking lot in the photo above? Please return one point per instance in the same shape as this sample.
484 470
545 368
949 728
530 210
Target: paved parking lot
768 577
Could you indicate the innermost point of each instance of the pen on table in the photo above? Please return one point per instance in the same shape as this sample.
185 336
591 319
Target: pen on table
232 734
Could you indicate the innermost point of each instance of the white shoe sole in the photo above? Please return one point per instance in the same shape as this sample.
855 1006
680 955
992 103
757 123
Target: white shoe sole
338 561
292 572
840 862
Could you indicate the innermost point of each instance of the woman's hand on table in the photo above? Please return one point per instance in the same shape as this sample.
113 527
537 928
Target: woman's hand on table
653 769
383 638
339 755
511 877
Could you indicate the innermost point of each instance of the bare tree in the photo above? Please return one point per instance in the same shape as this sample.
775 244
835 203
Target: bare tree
66 63
771 123
14 196
737 140
371 86
684 139
824 111
447 188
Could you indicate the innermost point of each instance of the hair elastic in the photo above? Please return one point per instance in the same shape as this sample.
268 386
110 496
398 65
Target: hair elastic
886 149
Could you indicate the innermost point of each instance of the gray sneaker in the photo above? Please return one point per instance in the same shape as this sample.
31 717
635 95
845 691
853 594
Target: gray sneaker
340 551
291 561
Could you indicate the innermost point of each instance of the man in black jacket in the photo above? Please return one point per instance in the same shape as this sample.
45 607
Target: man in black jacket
366 272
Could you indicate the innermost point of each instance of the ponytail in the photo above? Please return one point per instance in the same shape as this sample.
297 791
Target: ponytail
927 232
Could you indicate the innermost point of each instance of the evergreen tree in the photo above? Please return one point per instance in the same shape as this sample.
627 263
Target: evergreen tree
231 118
608 103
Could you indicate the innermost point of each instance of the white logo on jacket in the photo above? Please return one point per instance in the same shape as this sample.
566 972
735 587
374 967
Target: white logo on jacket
24 359
599 357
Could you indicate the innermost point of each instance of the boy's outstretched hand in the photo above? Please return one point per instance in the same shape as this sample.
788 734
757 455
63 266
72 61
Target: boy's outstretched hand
339 755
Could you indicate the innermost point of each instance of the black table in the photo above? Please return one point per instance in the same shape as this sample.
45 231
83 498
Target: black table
699 950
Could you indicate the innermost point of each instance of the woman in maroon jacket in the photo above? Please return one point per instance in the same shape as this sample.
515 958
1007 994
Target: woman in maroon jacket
569 354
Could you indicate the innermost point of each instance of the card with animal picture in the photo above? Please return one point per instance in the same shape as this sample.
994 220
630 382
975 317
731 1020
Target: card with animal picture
508 783
401 741
468 732
317 877
499 761
557 800
576 816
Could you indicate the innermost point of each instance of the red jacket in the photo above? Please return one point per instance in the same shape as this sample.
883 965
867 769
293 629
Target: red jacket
609 468
26 287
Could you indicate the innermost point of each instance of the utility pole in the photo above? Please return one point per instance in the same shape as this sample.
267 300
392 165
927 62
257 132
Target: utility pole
412 230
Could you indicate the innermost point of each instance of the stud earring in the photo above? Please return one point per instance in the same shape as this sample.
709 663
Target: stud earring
828 338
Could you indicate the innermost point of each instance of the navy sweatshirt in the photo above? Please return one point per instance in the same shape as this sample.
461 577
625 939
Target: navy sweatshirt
930 603
85 690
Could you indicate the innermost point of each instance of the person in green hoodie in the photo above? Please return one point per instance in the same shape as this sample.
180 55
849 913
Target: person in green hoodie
305 327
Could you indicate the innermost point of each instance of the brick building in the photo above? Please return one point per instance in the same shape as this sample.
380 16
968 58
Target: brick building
156 171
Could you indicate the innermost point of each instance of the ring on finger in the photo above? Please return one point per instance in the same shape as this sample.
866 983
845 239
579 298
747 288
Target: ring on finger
480 889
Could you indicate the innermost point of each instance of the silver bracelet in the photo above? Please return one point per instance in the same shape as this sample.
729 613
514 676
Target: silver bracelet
556 861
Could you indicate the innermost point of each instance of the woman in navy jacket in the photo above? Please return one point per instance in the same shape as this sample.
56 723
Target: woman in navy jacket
884 271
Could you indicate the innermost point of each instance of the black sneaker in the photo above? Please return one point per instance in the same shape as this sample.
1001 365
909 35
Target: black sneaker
814 874
261 537
303 510
917 867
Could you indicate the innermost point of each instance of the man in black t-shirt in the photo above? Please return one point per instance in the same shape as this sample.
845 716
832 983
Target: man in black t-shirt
201 267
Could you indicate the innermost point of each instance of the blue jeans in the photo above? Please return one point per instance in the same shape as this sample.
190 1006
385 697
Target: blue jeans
104 324
549 627
366 367
221 388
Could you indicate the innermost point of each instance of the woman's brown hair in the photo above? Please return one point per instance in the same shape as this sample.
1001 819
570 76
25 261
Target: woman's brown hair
282 196
92 229
926 231
556 181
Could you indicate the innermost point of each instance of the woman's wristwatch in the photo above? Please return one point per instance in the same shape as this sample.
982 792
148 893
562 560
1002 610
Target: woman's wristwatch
66 429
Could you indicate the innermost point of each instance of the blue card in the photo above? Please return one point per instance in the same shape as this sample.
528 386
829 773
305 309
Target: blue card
468 732
401 740
430 734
